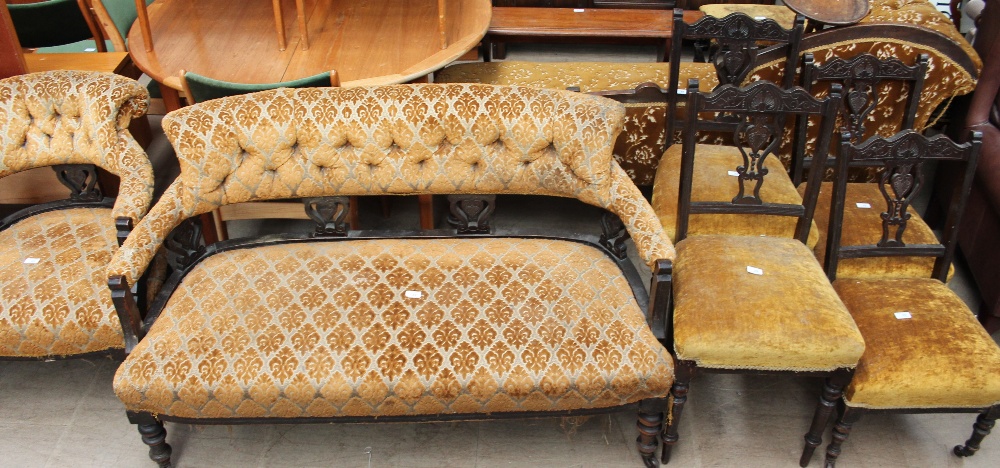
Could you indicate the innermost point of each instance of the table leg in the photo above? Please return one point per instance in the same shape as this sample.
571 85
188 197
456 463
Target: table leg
426 211
171 98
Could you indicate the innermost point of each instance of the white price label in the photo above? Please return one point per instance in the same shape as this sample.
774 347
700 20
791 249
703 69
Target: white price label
864 205
902 315
682 91
754 271
414 294
578 10
733 173
32 260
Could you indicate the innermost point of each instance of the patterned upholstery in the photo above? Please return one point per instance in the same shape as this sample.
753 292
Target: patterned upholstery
788 318
71 117
956 363
327 329
645 128
434 139
60 305
946 78
780 13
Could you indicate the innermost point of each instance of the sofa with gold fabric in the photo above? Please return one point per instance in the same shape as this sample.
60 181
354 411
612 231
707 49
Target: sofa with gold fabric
54 302
358 326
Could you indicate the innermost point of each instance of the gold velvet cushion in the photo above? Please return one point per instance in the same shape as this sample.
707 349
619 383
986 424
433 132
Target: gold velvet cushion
637 148
59 305
711 182
863 226
397 327
940 358
780 13
788 318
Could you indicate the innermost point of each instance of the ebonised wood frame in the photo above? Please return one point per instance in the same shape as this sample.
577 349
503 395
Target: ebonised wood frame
734 47
755 116
860 77
903 156
472 218
85 192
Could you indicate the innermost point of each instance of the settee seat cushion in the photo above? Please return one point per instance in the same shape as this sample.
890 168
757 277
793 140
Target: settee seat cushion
941 357
711 182
786 319
373 328
60 304
863 226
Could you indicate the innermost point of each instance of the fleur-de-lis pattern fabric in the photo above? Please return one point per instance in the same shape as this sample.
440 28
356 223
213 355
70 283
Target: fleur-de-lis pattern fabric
945 78
54 298
393 327
75 117
404 139
640 144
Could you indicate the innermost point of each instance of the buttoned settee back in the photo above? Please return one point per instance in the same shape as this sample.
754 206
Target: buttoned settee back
73 117
403 139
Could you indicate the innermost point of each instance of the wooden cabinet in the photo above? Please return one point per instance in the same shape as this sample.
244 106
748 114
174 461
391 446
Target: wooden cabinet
586 3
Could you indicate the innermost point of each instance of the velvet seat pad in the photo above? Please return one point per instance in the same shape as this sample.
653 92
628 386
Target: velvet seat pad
863 226
60 305
335 329
940 358
711 182
788 318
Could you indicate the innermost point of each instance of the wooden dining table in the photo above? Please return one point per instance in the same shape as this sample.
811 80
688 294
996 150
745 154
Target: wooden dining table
371 42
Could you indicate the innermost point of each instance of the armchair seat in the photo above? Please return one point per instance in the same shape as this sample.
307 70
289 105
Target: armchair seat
958 364
376 328
795 320
863 226
60 305
711 183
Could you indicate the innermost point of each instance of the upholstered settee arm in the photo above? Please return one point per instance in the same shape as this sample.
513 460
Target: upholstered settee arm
627 202
135 191
135 255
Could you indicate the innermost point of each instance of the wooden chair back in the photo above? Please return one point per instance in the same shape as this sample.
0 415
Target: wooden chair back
903 158
754 123
864 78
735 43
114 18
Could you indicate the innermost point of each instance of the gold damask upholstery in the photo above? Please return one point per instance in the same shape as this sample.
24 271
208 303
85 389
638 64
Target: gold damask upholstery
54 300
712 182
645 127
863 226
59 305
793 321
71 117
957 363
394 140
327 329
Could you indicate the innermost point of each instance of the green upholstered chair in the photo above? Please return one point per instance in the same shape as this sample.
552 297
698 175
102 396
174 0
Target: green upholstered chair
199 88
924 350
54 26
115 18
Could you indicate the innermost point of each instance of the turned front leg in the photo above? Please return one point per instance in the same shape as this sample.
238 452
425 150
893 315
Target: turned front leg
840 433
833 389
984 423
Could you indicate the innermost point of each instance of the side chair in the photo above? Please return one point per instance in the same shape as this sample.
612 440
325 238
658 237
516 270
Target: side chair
54 26
734 46
54 302
199 88
749 303
925 352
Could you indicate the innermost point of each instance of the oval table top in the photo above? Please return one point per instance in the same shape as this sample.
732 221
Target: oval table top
371 42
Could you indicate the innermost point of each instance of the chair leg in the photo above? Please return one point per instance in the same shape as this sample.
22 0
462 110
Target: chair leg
650 425
678 397
984 423
848 417
833 388
155 436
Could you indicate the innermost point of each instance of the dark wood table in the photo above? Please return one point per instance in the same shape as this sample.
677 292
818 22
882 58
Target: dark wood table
523 24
